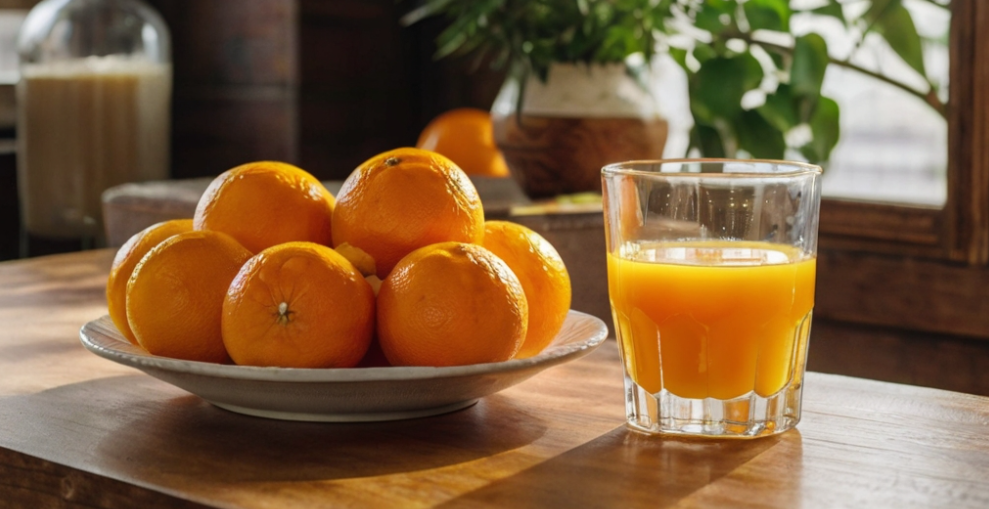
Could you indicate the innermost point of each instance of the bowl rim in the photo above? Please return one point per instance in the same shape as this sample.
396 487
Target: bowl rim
101 337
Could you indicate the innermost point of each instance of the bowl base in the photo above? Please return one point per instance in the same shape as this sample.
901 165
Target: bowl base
348 417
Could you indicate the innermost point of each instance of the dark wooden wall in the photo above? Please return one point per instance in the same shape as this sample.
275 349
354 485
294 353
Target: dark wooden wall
322 84
944 361
235 82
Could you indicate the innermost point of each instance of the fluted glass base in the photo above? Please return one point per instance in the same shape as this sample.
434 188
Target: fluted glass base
744 417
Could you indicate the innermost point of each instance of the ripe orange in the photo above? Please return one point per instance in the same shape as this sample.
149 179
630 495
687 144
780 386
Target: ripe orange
298 305
451 304
543 276
265 203
465 136
175 295
404 199
124 262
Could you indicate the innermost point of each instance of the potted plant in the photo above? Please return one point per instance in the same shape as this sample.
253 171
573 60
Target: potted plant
576 96
728 49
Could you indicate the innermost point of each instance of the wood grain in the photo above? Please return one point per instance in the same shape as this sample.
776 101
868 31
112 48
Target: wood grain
900 355
18 4
27 482
236 73
232 42
967 210
80 431
911 293
883 228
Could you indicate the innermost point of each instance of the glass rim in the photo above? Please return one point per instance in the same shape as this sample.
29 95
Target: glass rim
628 168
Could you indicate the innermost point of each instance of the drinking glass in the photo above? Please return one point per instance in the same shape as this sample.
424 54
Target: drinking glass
711 269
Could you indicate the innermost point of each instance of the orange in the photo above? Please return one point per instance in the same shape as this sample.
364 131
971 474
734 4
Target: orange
175 295
543 276
451 304
404 199
465 136
124 262
298 305
265 203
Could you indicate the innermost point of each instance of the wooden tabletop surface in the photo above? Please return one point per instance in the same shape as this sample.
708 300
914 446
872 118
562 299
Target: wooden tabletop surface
80 431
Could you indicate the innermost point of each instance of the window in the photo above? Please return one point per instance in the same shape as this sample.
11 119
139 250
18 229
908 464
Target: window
894 146
920 266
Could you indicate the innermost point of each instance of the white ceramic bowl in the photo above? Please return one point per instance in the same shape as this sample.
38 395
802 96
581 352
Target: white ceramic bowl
344 395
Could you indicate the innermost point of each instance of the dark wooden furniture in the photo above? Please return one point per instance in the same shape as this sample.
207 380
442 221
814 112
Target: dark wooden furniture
80 431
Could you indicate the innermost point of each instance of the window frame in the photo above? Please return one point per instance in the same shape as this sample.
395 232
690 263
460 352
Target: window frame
967 209
959 231
920 267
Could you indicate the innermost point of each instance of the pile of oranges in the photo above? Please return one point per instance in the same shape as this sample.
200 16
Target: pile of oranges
400 269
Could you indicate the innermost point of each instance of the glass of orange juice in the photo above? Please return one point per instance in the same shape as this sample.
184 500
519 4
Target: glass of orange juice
711 268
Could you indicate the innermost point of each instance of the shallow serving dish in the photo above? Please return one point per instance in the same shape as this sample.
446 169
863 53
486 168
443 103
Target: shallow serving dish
344 395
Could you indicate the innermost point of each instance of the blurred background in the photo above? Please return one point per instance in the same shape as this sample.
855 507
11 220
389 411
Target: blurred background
327 84
322 84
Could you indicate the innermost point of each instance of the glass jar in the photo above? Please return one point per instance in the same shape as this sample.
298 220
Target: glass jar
93 104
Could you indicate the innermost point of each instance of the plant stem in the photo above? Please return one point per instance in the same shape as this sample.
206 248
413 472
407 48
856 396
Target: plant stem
930 98
872 24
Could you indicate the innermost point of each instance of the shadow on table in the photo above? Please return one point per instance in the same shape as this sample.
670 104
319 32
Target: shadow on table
136 427
625 469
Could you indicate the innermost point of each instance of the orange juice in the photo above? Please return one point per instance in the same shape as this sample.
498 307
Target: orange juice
711 319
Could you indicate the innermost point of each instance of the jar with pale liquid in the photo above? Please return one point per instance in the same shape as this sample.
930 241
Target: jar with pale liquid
93 104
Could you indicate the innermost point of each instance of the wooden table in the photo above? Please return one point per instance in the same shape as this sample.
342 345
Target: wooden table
80 431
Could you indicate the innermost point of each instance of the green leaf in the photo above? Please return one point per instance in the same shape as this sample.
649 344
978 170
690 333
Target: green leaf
749 70
710 20
834 10
778 59
768 15
780 109
721 6
707 139
704 52
429 8
714 13
717 88
810 61
878 9
680 55
758 137
448 43
897 27
826 129
535 34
